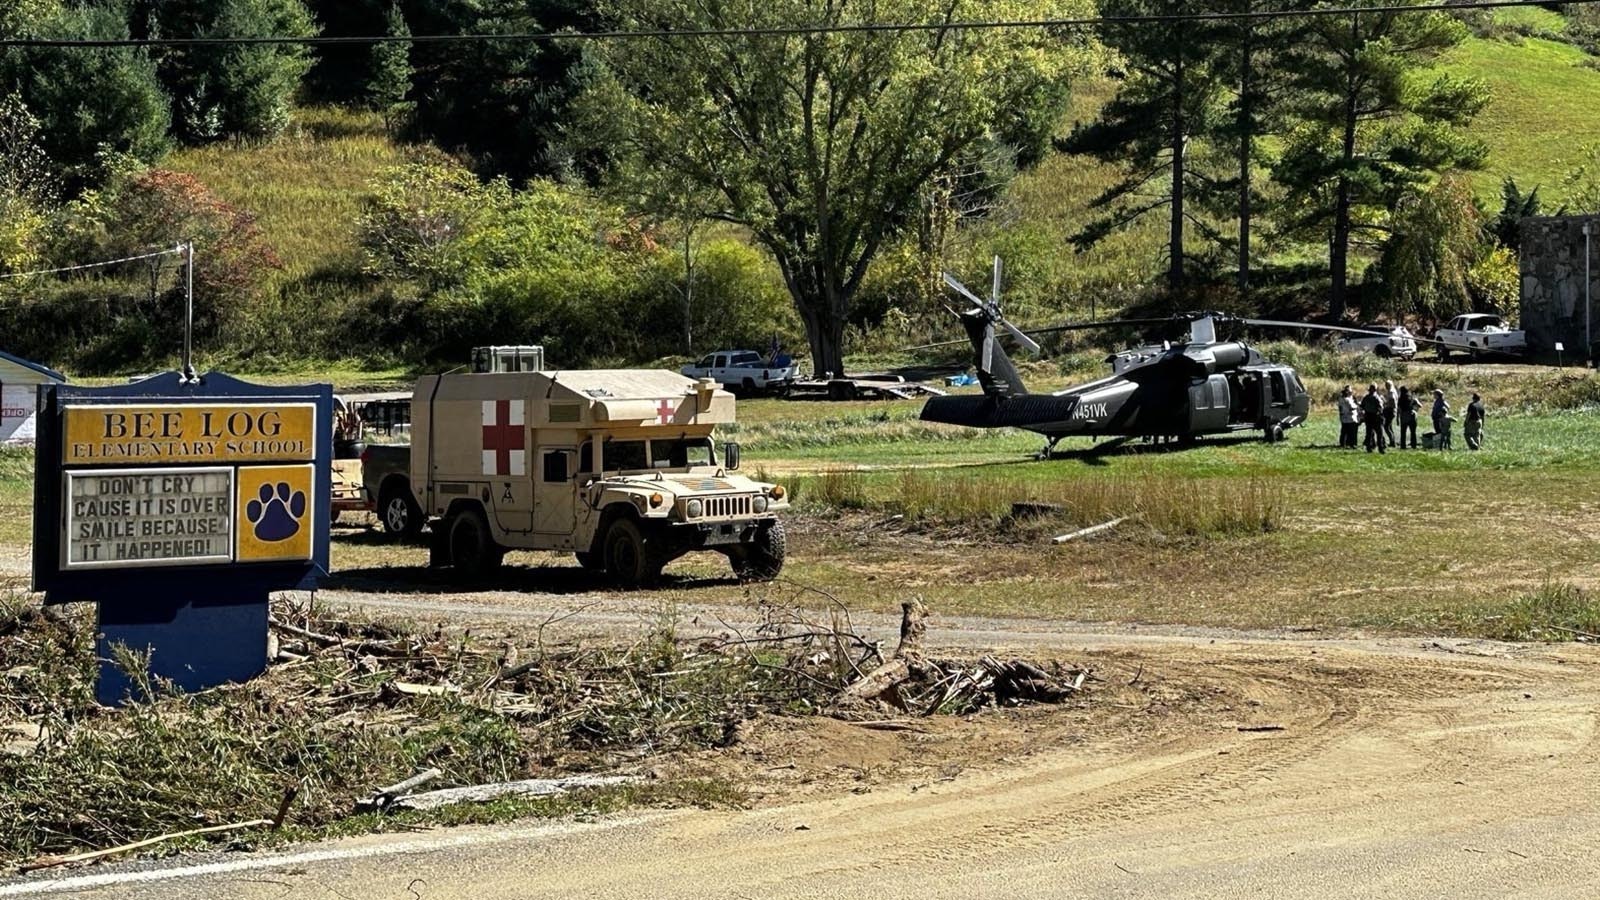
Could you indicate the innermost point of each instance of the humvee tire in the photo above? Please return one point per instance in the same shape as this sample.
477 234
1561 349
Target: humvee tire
632 556
399 514
762 558
473 552
593 562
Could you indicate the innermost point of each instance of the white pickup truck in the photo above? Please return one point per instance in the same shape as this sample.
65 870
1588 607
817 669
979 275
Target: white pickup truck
1479 334
746 371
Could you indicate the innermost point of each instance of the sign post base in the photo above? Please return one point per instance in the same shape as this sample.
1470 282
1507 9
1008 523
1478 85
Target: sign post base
196 643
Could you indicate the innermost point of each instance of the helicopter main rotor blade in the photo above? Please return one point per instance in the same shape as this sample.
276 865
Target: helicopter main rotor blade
1107 323
1315 326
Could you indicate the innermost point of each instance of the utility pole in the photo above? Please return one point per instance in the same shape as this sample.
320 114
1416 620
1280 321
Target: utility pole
1588 289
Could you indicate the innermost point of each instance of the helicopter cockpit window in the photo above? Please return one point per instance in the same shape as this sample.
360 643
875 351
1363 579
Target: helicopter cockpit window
622 456
1280 389
681 454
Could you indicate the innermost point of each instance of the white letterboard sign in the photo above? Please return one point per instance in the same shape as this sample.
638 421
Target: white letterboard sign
149 517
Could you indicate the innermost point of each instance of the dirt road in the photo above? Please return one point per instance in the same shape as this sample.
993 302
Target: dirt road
1402 768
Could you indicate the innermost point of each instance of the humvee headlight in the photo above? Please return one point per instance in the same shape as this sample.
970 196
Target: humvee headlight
777 492
656 500
759 504
694 509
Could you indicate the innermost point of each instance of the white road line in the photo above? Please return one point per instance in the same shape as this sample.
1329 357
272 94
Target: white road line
443 841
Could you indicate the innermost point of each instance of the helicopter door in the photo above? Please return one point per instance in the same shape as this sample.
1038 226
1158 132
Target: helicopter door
1280 390
1208 404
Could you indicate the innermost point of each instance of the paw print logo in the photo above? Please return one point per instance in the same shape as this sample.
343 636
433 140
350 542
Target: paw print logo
276 512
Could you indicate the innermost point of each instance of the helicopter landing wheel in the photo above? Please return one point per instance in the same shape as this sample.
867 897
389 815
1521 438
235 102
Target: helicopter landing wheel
1272 434
1049 448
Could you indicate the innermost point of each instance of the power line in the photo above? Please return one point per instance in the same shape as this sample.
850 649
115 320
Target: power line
778 31
95 265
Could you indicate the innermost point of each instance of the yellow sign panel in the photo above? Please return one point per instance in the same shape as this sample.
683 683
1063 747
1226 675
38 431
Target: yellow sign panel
189 433
272 513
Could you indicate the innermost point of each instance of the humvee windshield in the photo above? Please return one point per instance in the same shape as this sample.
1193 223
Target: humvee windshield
674 453
681 454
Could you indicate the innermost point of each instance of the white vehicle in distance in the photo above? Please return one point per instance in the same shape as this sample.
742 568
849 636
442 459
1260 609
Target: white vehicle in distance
746 371
1393 341
1478 334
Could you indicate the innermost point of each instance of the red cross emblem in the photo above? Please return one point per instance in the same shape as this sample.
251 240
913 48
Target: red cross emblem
504 440
666 411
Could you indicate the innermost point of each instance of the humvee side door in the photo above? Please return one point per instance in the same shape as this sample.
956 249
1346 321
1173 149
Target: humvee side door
555 495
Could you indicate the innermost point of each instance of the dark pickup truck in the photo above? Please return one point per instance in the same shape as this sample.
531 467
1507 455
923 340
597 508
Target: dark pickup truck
386 476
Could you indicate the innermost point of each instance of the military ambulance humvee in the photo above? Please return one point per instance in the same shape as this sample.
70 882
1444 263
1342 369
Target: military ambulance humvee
616 466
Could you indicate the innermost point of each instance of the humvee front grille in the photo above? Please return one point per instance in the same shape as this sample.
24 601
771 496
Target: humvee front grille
721 507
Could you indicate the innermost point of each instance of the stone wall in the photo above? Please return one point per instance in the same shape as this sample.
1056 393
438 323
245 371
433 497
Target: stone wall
1552 282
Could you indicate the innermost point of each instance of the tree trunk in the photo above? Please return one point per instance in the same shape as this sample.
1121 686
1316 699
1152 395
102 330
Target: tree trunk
821 312
1178 136
688 289
826 337
1247 127
1339 254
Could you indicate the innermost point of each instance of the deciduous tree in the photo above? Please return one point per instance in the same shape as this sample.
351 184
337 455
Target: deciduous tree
1438 237
822 144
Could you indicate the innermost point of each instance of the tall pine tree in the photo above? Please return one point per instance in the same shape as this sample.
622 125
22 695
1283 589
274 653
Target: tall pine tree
1371 125
390 80
1171 97
1253 70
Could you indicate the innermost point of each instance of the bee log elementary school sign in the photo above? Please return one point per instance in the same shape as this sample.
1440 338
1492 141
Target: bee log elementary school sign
177 507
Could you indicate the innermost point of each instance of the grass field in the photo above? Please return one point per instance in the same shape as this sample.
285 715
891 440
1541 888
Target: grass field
1234 532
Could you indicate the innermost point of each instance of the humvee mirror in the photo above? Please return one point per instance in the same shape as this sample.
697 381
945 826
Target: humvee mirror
730 456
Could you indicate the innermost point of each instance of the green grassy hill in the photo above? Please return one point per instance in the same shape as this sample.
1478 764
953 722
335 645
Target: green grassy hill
306 187
1545 104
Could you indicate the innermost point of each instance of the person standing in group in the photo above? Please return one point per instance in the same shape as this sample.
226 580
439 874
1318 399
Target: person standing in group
1441 420
1349 418
1406 408
1474 426
1391 403
1372 417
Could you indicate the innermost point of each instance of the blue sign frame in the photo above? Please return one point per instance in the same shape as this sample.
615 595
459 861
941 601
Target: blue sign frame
201 625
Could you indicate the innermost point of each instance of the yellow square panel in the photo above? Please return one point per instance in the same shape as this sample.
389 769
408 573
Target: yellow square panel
273 513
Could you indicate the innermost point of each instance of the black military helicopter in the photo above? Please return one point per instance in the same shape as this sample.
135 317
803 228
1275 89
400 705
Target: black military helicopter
1170 391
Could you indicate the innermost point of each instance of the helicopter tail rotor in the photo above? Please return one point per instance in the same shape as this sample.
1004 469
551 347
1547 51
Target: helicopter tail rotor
995 370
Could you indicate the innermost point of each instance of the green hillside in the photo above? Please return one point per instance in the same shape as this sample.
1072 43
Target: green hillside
1545 105
305 187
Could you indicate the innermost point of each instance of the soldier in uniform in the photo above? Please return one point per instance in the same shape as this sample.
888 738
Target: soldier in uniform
1441 420
1474 426
1391 403
1408 405
1372 417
